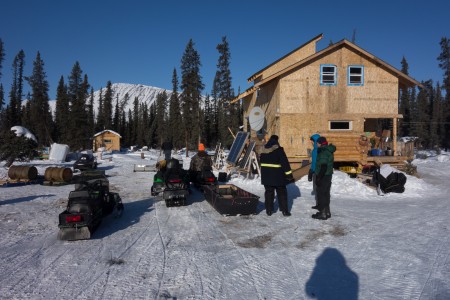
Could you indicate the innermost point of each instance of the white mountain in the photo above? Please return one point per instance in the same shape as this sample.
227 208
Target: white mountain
144 93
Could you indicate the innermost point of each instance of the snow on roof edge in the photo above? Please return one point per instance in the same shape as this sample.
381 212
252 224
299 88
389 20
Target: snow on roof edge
107 130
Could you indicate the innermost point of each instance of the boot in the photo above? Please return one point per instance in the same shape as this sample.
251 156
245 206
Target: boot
315 207
269 212
286 214
320 215
327 212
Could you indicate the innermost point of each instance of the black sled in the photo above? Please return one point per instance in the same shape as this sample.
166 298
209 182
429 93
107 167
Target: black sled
88 204
231 200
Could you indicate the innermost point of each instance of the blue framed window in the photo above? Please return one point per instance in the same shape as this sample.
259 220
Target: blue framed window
328 75
355 75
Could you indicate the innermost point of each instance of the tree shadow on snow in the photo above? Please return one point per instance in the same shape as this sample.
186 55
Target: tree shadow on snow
131 215
22 199
332 278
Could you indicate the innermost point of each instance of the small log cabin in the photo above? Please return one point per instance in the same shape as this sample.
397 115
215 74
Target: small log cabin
342 92
108 139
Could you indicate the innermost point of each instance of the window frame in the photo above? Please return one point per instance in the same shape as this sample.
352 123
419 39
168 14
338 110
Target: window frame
322 73
350 125
349 75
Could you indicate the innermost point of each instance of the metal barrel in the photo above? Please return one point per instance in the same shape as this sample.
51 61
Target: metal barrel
22 172
56 174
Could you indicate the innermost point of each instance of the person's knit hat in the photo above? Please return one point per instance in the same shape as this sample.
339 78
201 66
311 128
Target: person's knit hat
201 147
272 141
322 140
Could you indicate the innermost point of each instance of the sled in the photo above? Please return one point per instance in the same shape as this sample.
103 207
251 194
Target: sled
144 168
230 200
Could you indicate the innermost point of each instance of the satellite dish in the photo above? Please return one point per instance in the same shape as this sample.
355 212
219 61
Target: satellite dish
256 118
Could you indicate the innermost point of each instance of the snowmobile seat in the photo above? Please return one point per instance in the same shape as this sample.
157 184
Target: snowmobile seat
79 194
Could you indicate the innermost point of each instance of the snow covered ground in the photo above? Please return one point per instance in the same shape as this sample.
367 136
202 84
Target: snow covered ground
395 246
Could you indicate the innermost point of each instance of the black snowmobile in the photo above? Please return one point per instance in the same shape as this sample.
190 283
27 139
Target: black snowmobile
204 177
88 204
172 182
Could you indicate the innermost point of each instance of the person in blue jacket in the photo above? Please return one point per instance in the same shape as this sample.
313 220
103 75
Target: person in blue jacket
276 173
311 174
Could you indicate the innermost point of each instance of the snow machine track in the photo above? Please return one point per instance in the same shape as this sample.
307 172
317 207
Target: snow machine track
74 233
176 202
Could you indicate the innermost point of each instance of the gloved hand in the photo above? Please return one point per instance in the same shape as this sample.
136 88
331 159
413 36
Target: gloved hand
310 175
290 178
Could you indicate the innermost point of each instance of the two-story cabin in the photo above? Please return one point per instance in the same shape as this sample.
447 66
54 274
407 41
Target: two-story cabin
341 92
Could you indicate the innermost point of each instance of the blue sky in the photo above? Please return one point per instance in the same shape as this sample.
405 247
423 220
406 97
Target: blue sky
142 41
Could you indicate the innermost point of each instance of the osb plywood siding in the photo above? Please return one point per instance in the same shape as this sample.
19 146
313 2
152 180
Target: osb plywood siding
301 92
267 99
296 130
296 56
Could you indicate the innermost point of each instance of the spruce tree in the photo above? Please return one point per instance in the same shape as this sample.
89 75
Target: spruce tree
135 121
91 114
2 94
100 125
26 114
77 92
423 114
2 56
107 106
404 104
216 111
175 119
14 147
208 121
123 126
130 129
2 102
116 119
414 113
228 113
444 64
62 113
15 96
124 129
161 108
438 116
152 127
145 123
40 115
191 88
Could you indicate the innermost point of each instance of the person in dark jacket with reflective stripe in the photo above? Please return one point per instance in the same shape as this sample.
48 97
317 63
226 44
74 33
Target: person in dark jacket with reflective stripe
324 173
276 173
